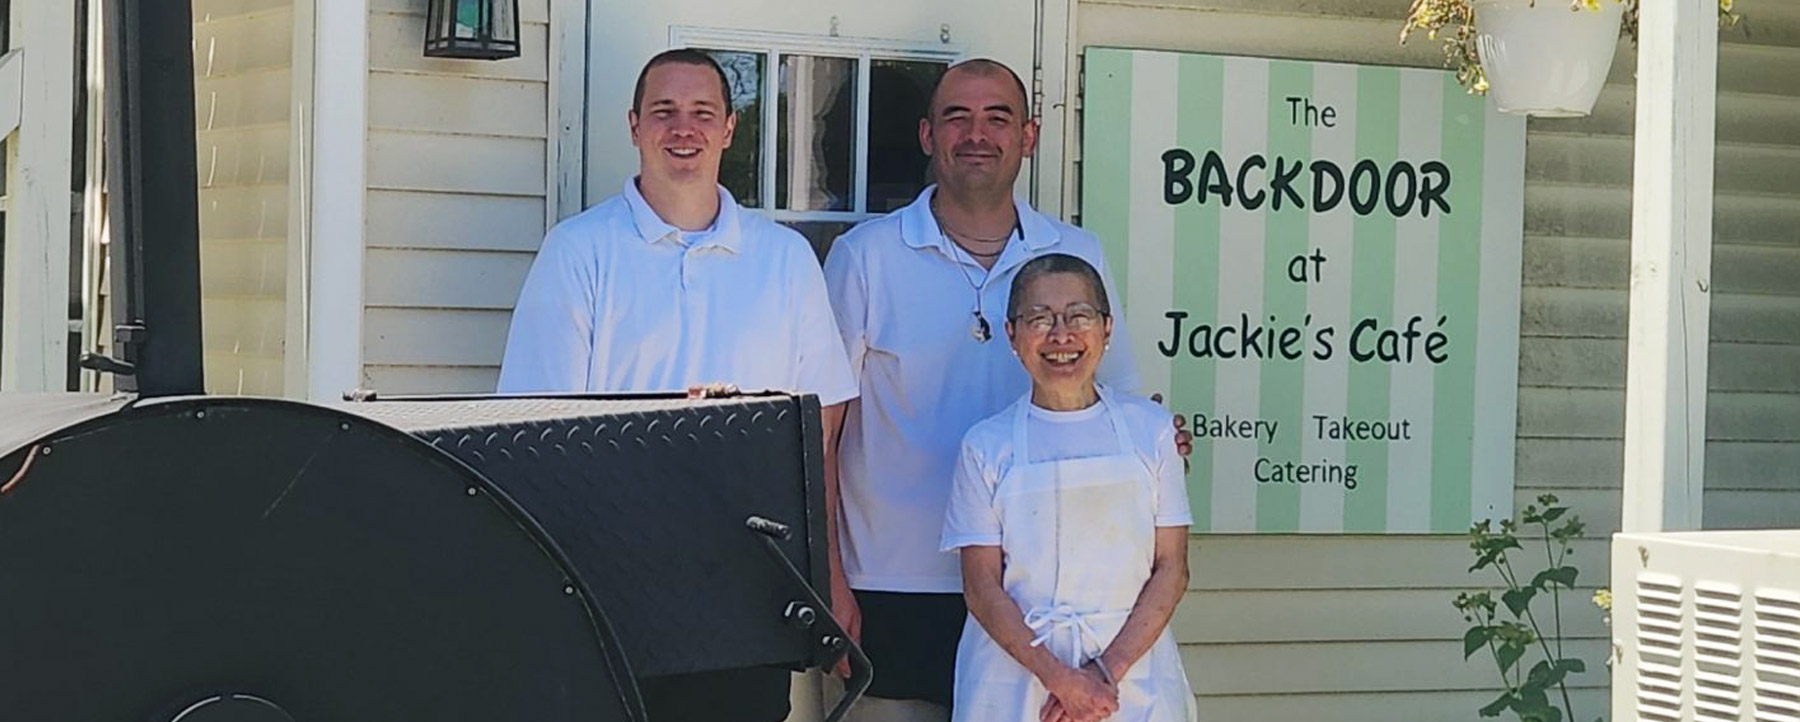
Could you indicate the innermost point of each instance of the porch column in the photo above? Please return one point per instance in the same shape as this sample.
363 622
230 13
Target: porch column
40 80
339 186
1671 263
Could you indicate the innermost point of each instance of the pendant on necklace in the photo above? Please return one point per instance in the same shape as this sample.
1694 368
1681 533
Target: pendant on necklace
980 329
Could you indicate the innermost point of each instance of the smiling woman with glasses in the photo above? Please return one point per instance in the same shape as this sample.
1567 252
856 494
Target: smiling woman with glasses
1070 512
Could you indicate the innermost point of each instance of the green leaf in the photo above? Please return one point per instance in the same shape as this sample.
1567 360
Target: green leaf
1545 713
1475 639
1509 656
1564 576
1553 513
1494 708
1539 676
1517 600
1571 666
1533 705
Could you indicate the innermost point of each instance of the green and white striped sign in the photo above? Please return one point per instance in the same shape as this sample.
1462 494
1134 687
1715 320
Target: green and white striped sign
1319 265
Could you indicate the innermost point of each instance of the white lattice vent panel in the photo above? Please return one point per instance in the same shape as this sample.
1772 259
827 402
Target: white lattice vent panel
1661 617
1718 652
1777 662
1708 627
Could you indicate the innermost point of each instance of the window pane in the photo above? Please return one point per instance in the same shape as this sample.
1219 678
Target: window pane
740 167
816 141
898 93
819 233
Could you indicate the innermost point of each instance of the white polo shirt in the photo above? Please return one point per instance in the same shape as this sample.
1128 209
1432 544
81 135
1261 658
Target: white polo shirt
619 300
903 293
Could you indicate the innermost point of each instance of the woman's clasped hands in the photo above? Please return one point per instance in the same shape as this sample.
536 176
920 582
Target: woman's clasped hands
1080 695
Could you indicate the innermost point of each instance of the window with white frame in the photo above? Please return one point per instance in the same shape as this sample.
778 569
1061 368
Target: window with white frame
828 128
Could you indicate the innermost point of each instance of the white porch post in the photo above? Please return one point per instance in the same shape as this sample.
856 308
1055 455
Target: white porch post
34 338
567 164
1671 262
339 184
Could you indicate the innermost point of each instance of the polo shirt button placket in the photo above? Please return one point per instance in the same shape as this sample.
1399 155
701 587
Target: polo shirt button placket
687 254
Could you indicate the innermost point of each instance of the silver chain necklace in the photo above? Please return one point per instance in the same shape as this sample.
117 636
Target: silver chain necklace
979 329
980 326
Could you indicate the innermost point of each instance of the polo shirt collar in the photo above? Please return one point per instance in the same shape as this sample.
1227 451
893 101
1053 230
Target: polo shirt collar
919 228
726 231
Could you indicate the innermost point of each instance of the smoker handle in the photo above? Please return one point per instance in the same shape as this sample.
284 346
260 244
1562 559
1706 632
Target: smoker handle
835 642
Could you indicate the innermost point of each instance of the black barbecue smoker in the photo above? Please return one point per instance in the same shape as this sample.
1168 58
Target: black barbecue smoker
169 556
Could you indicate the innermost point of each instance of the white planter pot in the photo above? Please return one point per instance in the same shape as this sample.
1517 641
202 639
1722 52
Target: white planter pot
1544 59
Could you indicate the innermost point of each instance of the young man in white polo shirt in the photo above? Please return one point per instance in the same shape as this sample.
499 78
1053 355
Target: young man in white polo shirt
670 284
920 295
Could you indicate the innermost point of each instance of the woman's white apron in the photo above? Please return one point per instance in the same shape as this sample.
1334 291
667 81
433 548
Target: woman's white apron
1078 538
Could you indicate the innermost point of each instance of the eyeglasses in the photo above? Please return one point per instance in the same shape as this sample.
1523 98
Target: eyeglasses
1076 318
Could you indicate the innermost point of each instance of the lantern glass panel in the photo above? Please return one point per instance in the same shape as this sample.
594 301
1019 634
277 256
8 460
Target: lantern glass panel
505 23
468 18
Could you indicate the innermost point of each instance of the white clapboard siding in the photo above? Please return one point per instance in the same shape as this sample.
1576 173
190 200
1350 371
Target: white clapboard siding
1340 615
456 105
1555 463
456 164
252 210
1359 666
1457 706
1600 313
433 337
243 325
1569 262
457 168
253 97
244 43
444 279
1550 362
422 219
214 10
394 379
1291 562
238 373
243 156
243 83
1355 629
254 268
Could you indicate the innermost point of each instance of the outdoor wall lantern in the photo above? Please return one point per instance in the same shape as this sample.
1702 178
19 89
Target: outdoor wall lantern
472 29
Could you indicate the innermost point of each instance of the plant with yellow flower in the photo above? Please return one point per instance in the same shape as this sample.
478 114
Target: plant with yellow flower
1453 23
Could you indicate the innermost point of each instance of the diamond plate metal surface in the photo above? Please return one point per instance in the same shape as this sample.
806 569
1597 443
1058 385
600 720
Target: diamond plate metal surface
648 498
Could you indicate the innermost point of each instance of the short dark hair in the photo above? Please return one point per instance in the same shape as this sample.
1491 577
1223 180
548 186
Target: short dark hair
682 56
980 66
1050 263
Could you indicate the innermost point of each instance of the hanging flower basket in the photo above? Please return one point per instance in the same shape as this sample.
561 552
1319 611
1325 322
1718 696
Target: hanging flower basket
1543 58
1547 58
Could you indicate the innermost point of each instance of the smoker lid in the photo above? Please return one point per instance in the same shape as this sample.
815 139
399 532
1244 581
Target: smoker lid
226 550
26 418
423 413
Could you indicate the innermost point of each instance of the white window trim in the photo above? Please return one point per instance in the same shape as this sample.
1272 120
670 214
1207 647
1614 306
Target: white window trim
772 45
